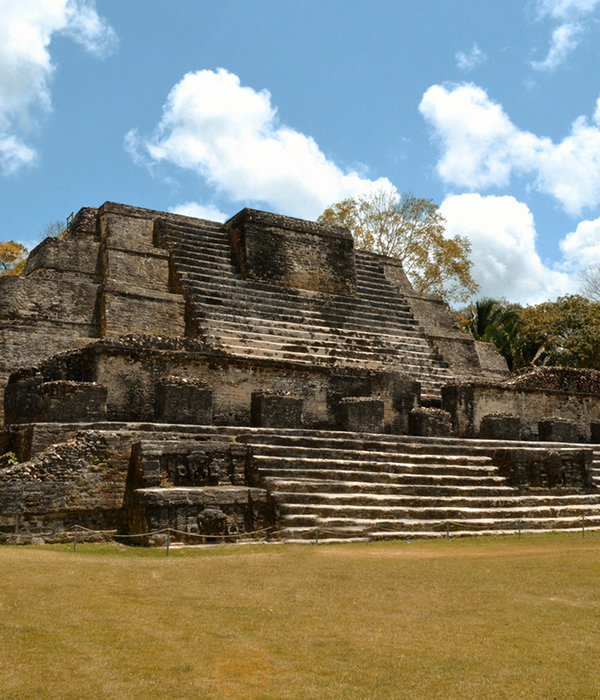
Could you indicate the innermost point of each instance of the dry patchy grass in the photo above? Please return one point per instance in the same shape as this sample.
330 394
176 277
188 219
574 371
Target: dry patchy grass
477 618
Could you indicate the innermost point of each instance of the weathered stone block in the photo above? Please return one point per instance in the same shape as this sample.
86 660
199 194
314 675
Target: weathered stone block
362 414
180 400
500 426
275 411
595 432
526 468
67 401
21 399
128 309
557 430
205 514
429 422
293 252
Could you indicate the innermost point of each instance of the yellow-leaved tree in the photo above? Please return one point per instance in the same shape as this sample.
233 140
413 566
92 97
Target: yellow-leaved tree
12 258
412 230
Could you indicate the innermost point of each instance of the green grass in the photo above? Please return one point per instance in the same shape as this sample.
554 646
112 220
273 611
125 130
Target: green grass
472 618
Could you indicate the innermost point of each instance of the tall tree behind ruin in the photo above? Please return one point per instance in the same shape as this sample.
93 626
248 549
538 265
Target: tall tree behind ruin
412 230
12 258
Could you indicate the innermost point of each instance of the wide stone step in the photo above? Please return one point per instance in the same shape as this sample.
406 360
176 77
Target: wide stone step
428 513
493 502
376 442
429 377
356 451
272 465
590 520
257 317
231 285
221 259
291 501
296 317
206 244
324 532
374 481
300 312
308 485
255 324
355 358
346 342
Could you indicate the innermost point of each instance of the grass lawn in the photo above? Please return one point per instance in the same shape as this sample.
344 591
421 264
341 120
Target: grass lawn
470 618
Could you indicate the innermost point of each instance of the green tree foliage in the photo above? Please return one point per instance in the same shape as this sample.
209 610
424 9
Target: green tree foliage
12 258
565 332
412 230
495 321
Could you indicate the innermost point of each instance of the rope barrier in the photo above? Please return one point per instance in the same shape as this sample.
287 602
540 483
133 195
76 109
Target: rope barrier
449 526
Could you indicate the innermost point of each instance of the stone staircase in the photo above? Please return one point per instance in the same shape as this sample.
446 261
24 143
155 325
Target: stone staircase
374 330
337 487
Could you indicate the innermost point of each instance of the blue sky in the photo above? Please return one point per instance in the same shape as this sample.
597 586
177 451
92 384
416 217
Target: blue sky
489 108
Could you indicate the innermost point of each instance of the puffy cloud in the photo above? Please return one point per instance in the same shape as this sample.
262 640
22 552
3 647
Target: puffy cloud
230 136
26 67
581 248
472 59
505 260
565 39
474 133
201 211
482 148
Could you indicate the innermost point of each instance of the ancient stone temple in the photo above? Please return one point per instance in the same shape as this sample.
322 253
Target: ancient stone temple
263 378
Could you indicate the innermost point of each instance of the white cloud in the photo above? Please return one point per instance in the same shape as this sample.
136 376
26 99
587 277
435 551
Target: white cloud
88 29
505 260
565 9
572 15
201 211
581 248
481 147
565 39
14 154
230 136
472 59
26 67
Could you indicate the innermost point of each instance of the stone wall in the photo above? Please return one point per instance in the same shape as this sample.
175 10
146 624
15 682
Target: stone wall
81 481
132 368
469 403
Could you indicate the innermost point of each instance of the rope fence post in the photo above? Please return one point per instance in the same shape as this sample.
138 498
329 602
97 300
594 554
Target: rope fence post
168 542
75 539
582 526
317 536
447 532
519 525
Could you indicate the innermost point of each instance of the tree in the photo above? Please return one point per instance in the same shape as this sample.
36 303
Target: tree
12 258
590 282
495 321
412 230
53 229
565 332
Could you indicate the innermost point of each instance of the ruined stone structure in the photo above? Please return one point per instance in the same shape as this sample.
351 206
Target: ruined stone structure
262 376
